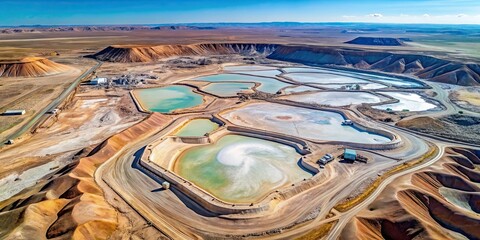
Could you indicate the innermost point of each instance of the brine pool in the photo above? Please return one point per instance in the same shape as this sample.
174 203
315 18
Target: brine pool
336 99
241 169
223 89
197 128
268 85
168 99
407 101
301 122
323 75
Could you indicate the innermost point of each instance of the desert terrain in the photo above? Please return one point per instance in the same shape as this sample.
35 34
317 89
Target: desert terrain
217 132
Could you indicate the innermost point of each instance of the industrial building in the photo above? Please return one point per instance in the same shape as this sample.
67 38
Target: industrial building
350 154
98 81
14 112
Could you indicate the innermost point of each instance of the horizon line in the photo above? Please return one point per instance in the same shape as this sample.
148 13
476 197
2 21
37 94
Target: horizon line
245 23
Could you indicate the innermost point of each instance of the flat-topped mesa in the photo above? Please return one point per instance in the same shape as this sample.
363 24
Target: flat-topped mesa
376 41
31 67
421 66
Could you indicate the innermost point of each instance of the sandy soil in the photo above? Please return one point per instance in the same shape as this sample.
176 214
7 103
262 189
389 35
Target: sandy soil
468 98
33 94
87 121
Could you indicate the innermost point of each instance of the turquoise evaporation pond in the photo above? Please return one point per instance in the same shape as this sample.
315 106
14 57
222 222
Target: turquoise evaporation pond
268 85
301 122
241 169
197 128
168 99
351 74
227 89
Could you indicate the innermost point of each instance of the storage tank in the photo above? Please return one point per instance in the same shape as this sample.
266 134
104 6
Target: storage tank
166 185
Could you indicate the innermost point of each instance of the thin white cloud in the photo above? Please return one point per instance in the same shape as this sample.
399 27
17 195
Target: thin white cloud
375 15
425 18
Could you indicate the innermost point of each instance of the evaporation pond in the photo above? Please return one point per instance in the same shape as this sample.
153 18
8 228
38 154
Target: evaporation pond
168 99
302 70
302 76
268 85
197 128
407 101
301 122
323 78
364 86
227 89
336 99
241 169
298 89
264 73
247 68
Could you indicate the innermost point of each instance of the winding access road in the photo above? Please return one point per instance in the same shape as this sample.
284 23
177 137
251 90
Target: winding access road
41 116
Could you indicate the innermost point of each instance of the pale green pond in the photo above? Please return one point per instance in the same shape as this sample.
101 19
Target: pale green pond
227 89
197 128
241 169
269 85
168 99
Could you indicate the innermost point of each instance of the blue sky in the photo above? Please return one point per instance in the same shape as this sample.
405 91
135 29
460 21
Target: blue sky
20 12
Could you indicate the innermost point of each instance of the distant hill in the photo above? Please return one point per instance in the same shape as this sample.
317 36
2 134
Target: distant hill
100 28
176 27
421 66
376 41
